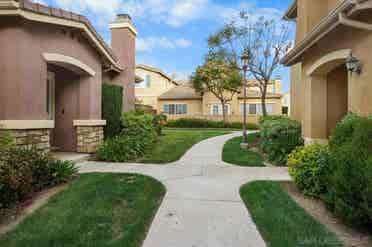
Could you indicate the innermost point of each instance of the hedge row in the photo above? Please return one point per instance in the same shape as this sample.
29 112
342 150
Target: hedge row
203 123
341 173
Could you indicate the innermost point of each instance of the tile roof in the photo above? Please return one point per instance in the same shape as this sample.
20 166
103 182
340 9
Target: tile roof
27 5
181 92
156 70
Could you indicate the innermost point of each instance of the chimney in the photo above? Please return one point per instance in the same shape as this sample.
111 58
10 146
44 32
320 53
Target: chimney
123 43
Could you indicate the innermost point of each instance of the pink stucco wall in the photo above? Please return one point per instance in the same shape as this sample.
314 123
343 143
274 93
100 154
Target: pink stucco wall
23 71
23 77
123 44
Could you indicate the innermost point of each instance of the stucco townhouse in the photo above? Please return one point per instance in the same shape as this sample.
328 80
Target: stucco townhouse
331 63
52 65
154 83
183 102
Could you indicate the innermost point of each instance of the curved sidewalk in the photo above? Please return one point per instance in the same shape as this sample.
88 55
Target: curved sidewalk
202 206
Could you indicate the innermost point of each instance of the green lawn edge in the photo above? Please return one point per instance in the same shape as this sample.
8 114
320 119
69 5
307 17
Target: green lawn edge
173 144
281 221
94 210
234 155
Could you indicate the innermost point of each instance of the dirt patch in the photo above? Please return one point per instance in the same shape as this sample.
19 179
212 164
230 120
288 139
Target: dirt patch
316 208
12 217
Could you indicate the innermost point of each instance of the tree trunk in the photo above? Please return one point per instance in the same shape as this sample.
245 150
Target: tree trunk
263 102
223 112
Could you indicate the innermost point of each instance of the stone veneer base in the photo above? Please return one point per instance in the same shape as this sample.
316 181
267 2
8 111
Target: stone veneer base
39 138
89 138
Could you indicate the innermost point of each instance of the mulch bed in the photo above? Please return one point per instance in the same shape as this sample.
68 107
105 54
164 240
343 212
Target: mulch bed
350 236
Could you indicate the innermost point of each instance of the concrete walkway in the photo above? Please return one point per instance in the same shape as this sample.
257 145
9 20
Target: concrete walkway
202 207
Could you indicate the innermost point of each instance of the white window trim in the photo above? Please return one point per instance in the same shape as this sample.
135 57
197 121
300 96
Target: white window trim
220 112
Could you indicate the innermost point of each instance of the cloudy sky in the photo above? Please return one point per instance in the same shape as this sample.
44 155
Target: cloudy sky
172 33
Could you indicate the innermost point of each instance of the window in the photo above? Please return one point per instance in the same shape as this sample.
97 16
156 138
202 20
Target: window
175 109
148 81
50 95
256 109
216 109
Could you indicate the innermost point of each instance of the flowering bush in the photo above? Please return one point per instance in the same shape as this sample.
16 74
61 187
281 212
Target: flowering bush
24 171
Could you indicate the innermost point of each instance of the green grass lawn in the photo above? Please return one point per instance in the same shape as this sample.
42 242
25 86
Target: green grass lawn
175 143
233 154
95 210
281 221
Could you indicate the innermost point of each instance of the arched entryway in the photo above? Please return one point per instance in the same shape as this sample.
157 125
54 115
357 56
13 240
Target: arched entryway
337 96
327 100
66 98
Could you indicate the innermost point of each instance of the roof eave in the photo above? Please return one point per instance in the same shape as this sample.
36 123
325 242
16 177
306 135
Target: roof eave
291 12
16 8
327 24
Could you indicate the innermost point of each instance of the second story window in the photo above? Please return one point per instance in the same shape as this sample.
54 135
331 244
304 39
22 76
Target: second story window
148 81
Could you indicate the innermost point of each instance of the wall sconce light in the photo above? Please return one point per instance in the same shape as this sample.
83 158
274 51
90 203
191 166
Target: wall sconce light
353 64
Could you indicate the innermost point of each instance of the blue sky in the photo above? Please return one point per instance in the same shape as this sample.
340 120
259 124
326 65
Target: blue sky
172 33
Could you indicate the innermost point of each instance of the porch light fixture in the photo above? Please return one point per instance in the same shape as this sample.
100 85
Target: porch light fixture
245 58
353 64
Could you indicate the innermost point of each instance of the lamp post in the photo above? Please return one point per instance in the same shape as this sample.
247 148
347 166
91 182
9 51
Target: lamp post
245 60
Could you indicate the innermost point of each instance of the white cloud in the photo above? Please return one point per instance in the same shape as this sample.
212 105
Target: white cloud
39 1
183 43
178 13
174 13
150 43
106 9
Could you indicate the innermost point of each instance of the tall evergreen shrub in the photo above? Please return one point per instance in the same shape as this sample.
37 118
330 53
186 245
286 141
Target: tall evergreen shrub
112 107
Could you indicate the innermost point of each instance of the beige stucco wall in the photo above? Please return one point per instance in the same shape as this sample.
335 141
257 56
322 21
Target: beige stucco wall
311 12
309 93
159 85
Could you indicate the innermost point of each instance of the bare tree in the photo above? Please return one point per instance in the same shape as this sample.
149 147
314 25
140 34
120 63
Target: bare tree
265 41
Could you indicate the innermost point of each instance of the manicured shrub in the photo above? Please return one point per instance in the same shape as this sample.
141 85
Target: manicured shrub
159 121
309 168
270 118
138 126
203 123
138 135
279 137
112 104
350 183
5 139
27 170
